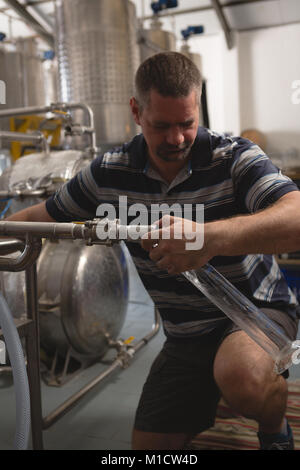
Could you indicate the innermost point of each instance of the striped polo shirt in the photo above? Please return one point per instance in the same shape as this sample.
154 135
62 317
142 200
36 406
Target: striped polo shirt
230 176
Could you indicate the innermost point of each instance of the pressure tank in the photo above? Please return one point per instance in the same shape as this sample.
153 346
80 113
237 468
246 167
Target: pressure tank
21 67
155 40
196 58
82 290
97 52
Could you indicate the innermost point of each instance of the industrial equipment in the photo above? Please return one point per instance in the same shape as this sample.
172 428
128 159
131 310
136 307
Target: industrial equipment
97 54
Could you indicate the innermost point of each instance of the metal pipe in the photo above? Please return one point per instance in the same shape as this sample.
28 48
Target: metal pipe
48 230
33 351
52 108
34 231
27 257
8 247
121 361
37 138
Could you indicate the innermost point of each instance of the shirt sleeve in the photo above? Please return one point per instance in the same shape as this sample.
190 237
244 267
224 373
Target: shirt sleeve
75 200
257 181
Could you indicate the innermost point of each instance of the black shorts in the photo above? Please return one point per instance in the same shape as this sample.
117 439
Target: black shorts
180 394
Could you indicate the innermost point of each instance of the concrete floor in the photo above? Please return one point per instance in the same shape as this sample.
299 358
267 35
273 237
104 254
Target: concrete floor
103 420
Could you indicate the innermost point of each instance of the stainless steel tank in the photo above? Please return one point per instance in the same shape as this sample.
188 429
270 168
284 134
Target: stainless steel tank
97 52
155 40
22 70
196 58
38 170
32 72
82 290
83 294
50 74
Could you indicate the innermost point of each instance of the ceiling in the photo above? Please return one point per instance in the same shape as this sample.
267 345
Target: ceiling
239 14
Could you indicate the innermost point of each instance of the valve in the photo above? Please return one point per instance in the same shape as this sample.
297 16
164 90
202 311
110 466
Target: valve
191 30
163 4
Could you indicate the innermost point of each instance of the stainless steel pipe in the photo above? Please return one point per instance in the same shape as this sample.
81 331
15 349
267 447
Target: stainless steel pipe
37 138
52 108
34 231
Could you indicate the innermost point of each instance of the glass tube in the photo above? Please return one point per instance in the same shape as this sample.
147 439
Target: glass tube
246 315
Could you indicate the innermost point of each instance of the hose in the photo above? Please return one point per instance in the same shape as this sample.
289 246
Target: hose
16 356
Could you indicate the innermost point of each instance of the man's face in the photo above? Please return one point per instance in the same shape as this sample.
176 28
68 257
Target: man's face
169 125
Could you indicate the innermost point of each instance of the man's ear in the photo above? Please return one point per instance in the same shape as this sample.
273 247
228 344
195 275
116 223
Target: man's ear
135 110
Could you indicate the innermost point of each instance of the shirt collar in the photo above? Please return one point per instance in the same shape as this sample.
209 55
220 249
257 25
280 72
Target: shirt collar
201 151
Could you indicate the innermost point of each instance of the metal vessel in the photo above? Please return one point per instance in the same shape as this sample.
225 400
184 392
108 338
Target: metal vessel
155 40
50 74
196 58
40 171
83 295
22 70
97 52
82 290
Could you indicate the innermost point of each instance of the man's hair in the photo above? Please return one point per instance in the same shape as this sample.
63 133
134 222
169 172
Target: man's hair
170 74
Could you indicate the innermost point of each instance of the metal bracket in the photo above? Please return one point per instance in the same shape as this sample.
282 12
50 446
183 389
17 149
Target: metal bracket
223 22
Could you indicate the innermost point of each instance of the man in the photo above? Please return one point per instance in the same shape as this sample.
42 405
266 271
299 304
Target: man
250 207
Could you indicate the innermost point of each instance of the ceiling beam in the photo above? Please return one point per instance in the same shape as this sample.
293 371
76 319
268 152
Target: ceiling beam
175 12
223 22
32 22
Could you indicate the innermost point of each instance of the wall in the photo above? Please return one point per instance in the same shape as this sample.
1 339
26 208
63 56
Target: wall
220 69
269 64
251 86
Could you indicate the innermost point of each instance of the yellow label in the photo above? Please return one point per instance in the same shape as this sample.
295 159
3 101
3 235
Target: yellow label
129 340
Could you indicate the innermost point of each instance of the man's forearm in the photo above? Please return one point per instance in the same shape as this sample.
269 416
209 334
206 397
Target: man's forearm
37 213
271 231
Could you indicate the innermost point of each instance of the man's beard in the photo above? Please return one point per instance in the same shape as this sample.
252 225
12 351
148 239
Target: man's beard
173 154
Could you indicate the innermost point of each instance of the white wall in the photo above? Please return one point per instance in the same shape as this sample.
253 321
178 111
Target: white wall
269 63
220 69
250 86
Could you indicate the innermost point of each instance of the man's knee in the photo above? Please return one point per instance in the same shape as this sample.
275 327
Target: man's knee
246 380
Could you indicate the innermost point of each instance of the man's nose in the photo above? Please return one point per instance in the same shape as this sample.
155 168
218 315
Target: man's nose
175 136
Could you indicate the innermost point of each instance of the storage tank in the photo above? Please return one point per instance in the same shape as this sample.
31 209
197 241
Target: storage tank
196 58
97 53
22 70
82 290
155 40
50 74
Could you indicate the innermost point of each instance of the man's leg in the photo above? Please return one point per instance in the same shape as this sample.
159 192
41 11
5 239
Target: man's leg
159 441
244 373
179 397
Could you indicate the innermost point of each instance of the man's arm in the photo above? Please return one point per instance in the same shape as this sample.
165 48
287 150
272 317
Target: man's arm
271 231
36 213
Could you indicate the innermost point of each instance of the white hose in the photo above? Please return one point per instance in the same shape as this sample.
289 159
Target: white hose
16 356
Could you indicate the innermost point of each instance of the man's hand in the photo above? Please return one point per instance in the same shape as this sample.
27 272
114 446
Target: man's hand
177 245
273 230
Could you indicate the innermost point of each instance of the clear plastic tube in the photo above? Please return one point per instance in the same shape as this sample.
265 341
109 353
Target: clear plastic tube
245 314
